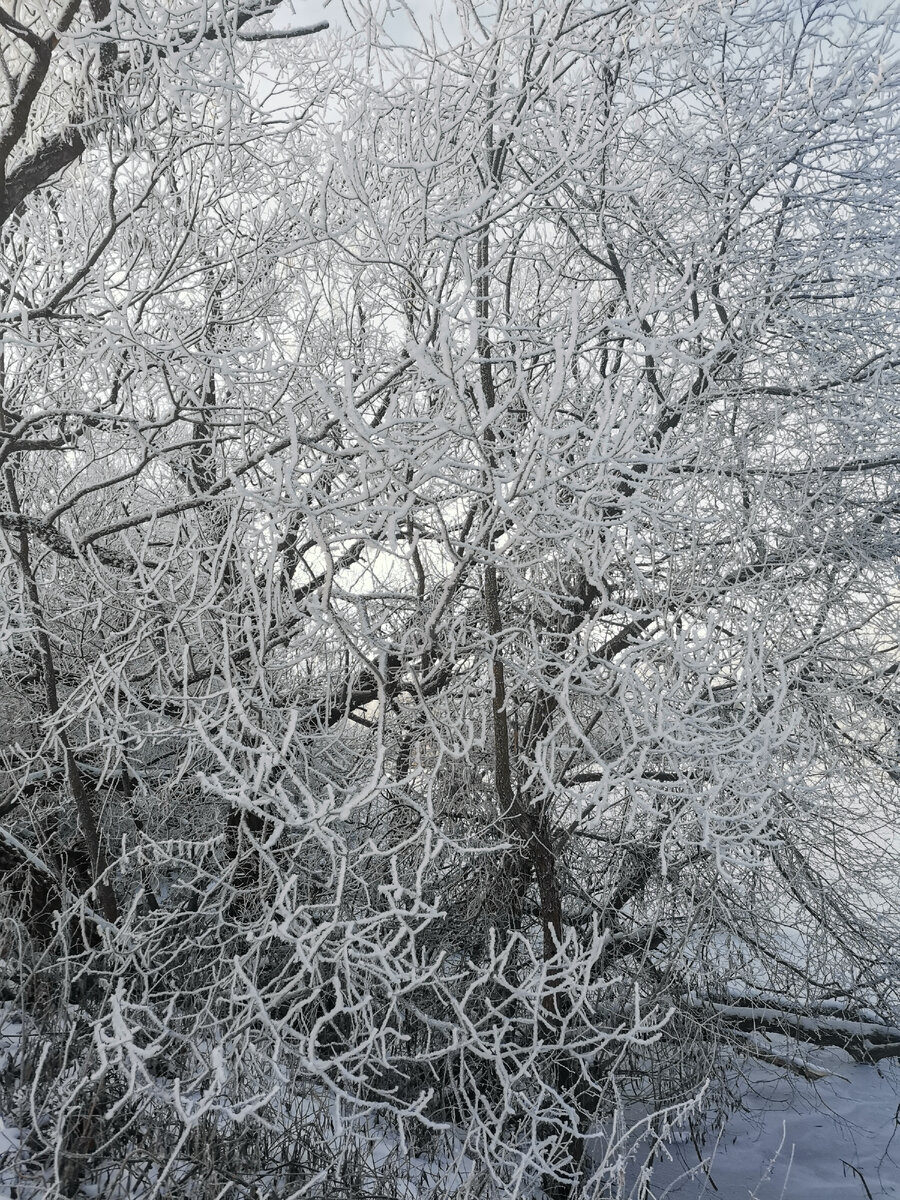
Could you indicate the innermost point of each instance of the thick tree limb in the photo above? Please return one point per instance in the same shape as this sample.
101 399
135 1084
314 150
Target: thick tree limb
275 34
17 120
62 149
864 1040
22 523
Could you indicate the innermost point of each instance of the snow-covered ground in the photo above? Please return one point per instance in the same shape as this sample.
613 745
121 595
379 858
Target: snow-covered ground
837 1139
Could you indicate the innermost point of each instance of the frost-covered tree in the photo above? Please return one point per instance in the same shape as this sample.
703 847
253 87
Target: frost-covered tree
450 588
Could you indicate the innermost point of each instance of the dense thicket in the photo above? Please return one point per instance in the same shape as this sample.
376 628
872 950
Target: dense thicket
449 586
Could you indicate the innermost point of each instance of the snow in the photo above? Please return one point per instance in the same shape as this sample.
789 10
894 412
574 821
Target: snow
10 1137
834 1139
10 1141
837 1139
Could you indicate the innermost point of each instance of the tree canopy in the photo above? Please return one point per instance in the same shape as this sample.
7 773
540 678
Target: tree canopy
448 625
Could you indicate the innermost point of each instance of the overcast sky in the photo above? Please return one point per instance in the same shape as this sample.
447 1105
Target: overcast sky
309 12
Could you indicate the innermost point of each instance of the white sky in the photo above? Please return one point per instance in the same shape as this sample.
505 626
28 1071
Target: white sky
308 12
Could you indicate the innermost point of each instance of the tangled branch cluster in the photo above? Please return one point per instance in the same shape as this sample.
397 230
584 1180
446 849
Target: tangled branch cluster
448 623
